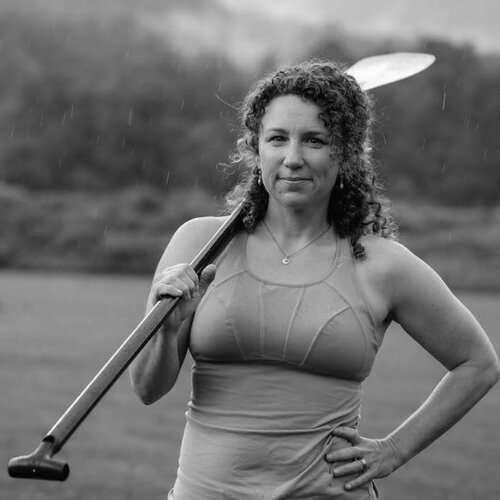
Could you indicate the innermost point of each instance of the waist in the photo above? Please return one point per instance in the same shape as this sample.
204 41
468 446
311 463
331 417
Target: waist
270 398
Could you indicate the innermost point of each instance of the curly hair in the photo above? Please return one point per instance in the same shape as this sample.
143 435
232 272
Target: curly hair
356 205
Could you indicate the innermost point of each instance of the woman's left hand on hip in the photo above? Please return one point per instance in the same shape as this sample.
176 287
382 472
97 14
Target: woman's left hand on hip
370 458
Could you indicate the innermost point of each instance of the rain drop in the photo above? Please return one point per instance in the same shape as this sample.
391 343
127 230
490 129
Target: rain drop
443 101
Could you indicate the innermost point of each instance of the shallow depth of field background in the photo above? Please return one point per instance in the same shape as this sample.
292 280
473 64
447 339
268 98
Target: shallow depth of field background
117 121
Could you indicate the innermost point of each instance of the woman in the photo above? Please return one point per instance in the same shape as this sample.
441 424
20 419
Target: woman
286 327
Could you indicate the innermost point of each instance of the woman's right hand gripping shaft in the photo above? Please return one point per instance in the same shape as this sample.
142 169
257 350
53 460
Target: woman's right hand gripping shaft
180 280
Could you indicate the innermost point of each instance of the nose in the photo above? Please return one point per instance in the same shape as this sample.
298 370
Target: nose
293 157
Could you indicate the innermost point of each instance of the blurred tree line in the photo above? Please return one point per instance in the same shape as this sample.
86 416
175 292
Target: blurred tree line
89 106
109 140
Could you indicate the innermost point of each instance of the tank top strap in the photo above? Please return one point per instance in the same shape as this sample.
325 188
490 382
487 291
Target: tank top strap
231 261
343 253
347 281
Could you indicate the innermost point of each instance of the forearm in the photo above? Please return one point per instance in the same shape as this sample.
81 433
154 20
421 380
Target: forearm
154 372
456 393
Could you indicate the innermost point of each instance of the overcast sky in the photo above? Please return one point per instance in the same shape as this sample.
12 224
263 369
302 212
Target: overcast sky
477 21
247 28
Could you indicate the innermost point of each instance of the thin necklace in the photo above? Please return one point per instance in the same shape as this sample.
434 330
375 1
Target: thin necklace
287 256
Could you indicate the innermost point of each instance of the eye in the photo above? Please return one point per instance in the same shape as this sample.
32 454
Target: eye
316 141
277 138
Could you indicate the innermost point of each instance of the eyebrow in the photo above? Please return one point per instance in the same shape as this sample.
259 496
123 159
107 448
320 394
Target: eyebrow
284 131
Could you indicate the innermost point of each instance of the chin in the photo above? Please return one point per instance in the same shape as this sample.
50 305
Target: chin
295 200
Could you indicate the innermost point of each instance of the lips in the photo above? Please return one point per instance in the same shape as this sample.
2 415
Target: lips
294 179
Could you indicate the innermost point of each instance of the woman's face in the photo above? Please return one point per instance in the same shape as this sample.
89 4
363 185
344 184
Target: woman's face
298 170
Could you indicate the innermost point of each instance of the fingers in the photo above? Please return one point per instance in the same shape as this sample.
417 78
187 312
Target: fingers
353 467
352 435
361 466
181 281
343 455
351 459
362 479
363 461
177 281
207 276
176 288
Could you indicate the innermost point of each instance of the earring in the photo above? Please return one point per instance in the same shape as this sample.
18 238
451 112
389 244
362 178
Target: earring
258 172
341 183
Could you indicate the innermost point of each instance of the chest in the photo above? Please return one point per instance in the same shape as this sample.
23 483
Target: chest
315 327
290 265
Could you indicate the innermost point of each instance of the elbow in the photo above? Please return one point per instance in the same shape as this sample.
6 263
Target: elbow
146 396
149 393
143 391
492 373
147 399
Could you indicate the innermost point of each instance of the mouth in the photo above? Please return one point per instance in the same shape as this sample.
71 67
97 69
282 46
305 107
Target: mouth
294 179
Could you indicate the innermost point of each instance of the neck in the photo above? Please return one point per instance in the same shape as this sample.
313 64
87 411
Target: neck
295 224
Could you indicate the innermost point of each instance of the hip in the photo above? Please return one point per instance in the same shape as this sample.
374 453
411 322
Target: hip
221 465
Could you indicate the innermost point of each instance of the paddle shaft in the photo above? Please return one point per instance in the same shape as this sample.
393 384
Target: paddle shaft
32 465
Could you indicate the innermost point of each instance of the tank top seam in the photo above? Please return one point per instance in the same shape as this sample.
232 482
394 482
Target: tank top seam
331 270
231 327
366 335
300 299
237 263
224 280
229 324
319 330
362 296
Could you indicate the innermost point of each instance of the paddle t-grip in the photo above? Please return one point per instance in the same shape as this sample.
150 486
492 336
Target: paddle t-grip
39 464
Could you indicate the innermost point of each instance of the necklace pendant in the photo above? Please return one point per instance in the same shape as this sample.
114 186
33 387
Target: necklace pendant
285 260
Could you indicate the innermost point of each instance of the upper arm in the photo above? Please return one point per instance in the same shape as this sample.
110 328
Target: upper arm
184 245
429 312
186 242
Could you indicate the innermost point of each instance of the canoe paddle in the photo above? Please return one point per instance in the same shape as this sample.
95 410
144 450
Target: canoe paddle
370 72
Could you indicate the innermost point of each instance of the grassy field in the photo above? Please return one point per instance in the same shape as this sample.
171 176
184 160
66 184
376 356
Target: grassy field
56 331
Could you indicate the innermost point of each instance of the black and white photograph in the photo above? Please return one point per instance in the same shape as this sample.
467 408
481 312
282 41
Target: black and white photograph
249 250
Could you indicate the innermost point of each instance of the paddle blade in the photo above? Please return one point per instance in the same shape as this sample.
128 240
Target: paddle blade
375 71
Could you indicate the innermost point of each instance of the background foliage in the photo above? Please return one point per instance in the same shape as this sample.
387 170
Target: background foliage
109 139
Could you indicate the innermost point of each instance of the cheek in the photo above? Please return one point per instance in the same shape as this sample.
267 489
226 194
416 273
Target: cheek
268 161
329 170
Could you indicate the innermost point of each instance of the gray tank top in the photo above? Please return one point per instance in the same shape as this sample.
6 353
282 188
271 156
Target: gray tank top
276 368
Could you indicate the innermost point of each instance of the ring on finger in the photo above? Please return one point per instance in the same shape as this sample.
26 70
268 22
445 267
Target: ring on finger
363 463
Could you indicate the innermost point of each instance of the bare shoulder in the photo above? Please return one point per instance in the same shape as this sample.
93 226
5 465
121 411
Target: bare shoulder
397 262
388 256
388 269
377 246
403 280
199 228
384 257
188 240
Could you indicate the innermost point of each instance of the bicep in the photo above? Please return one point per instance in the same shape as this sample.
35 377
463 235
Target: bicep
430 313
184 245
